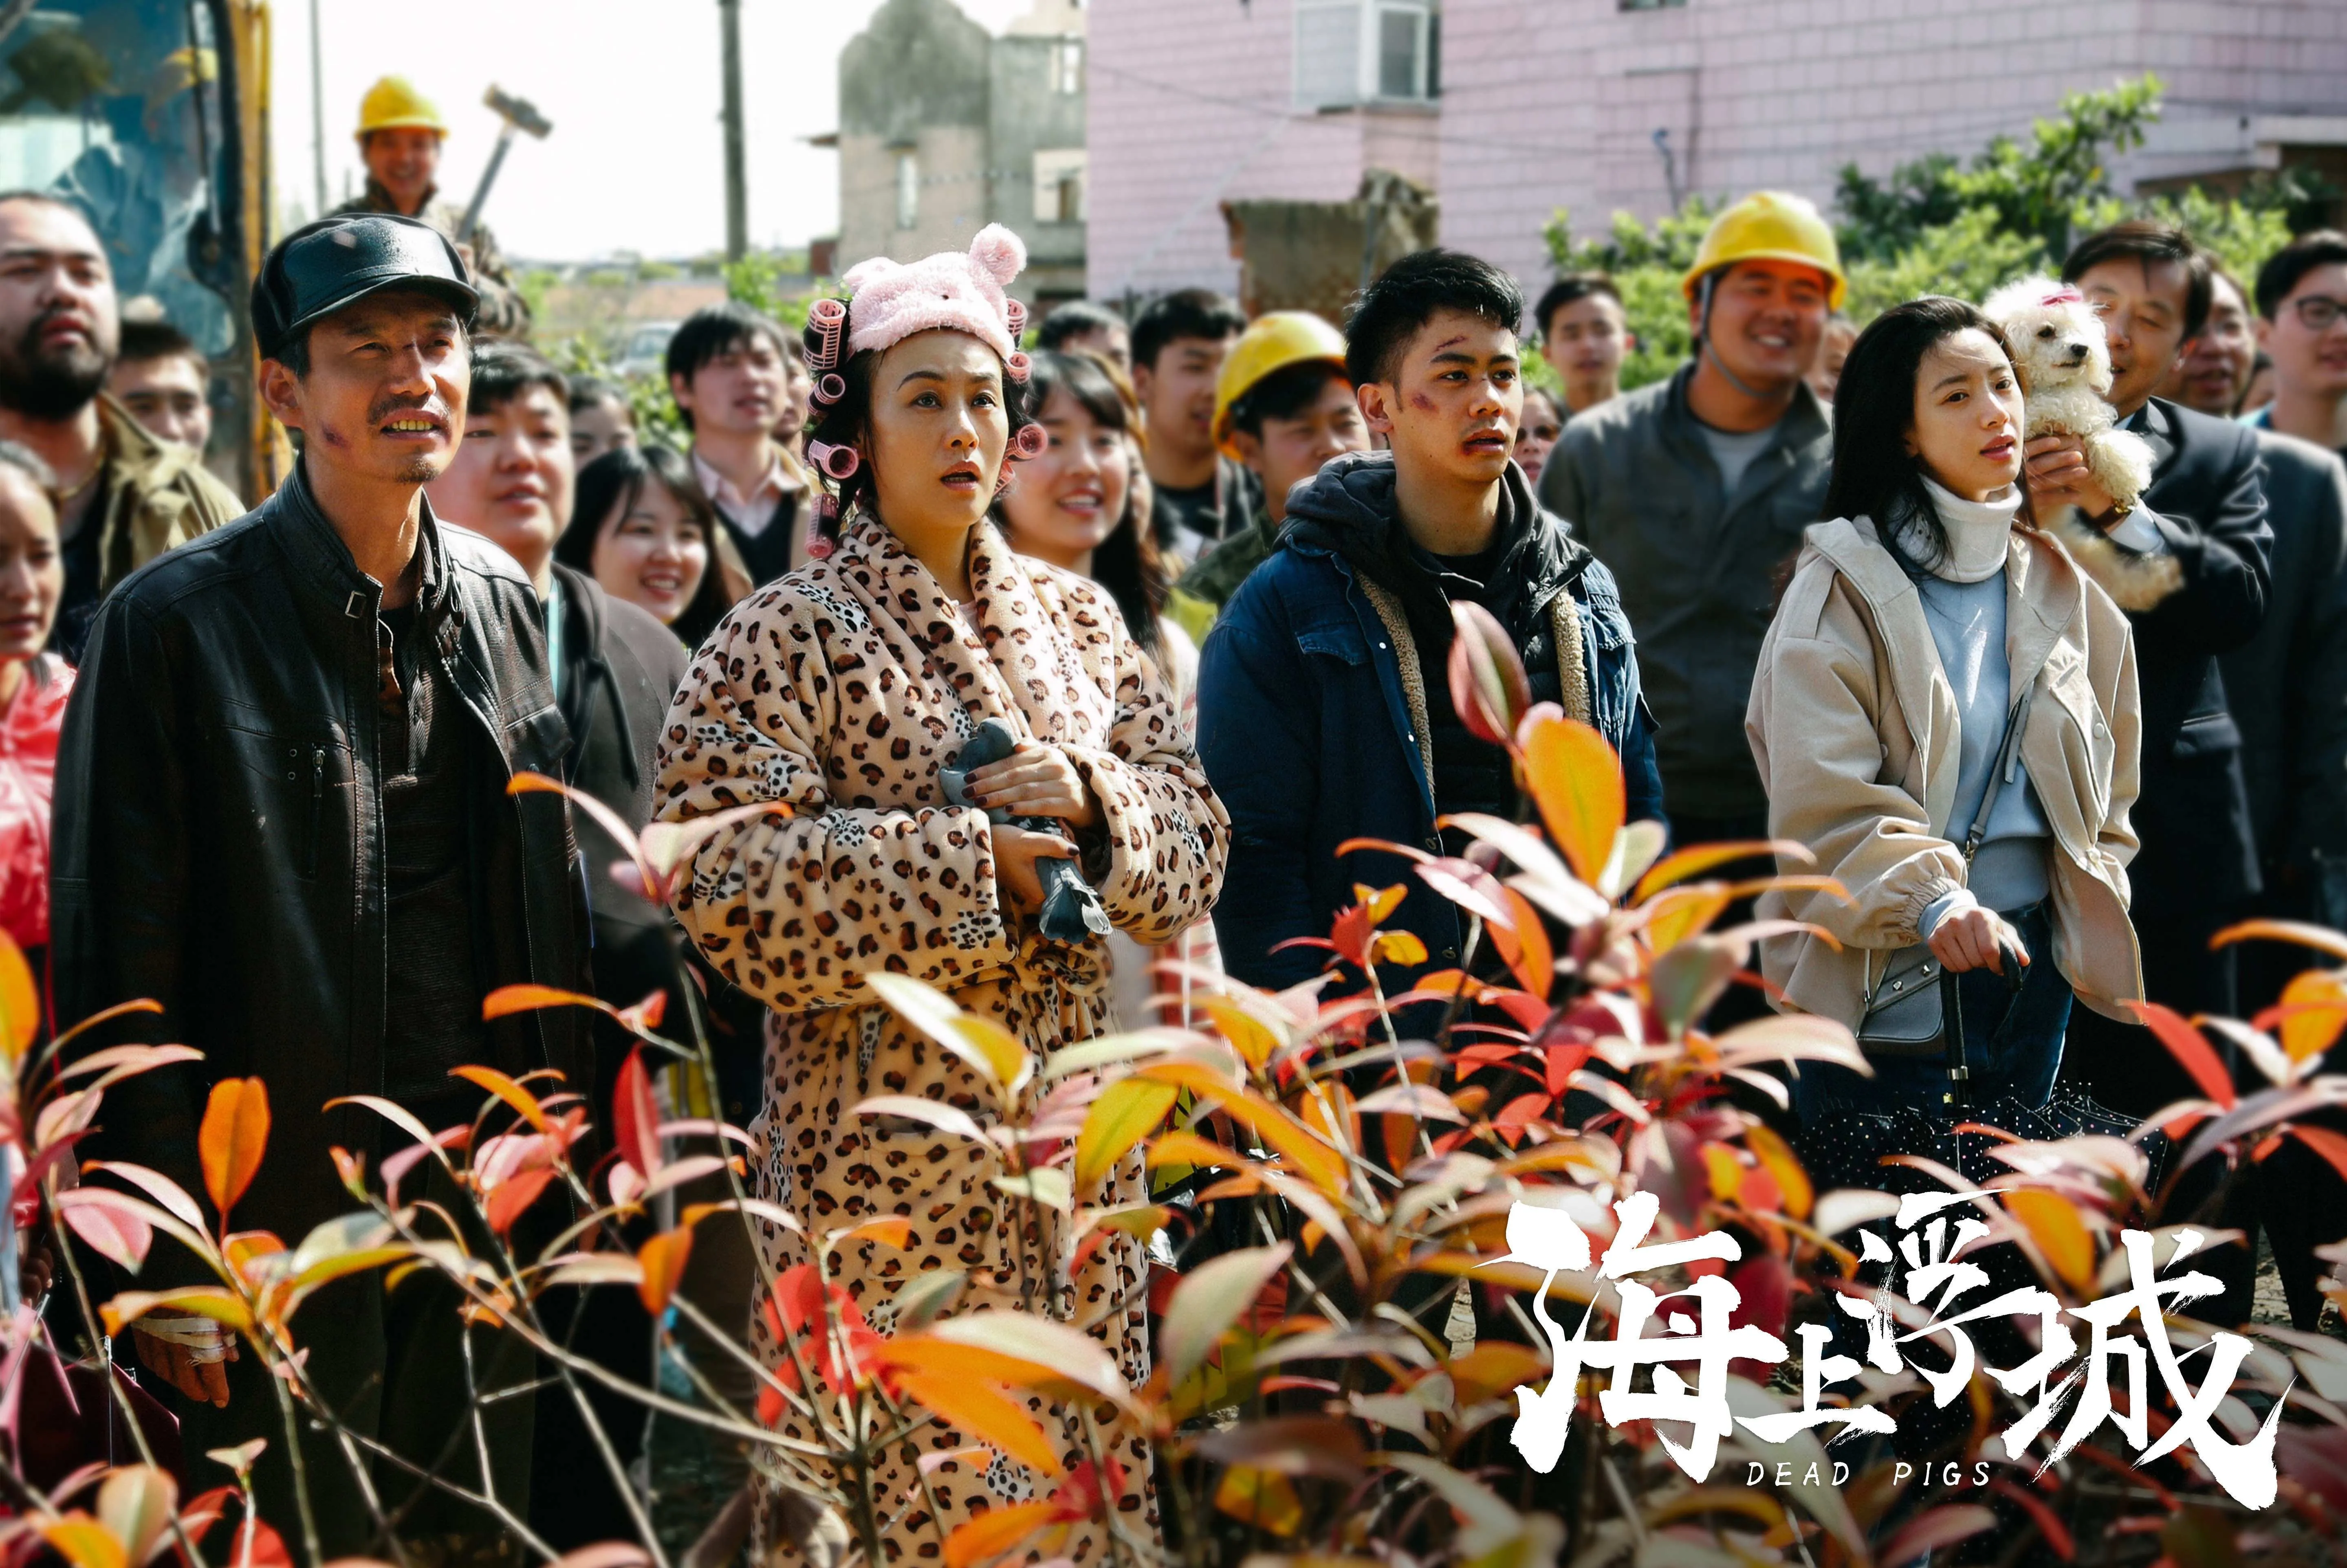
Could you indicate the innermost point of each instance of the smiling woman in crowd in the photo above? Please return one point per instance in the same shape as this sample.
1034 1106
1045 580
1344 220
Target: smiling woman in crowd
641 528
841 693
1945 713
1075 505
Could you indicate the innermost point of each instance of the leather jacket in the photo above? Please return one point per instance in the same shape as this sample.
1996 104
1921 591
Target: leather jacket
219 837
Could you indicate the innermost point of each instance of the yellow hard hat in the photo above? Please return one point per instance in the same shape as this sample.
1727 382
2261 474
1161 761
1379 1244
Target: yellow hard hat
179 70
393 104
1769 226
1275 341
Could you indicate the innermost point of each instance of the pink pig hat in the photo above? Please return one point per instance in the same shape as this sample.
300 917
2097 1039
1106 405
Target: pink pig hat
966 291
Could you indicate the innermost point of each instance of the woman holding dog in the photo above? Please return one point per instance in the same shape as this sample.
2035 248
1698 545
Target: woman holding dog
841 693
1945 715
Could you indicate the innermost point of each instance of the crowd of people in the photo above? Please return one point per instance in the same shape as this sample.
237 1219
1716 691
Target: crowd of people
2049 739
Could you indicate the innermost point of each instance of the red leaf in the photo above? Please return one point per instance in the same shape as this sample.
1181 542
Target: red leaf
635 1119
2058 1534
2190 1047
2330 1145
1939 1527
516 1194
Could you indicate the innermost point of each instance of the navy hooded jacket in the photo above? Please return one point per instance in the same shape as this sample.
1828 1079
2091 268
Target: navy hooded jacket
1312 715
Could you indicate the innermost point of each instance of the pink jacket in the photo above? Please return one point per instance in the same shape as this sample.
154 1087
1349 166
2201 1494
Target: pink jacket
28 766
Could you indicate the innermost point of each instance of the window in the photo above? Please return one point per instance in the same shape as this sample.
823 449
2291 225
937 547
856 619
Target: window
1350 52
1401 53
1060 185
908 189
1068 67
1651 5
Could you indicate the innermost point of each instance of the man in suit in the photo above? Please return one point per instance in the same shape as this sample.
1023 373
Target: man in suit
2189 562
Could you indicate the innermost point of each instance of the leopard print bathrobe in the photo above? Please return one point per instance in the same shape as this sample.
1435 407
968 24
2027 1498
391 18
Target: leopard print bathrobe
842 689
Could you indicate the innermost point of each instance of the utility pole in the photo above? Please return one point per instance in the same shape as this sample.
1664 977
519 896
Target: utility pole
317 112
737 191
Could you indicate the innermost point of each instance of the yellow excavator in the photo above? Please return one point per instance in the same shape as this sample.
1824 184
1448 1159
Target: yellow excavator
153 114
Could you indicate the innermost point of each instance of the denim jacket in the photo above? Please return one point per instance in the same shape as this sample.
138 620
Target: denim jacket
1313 726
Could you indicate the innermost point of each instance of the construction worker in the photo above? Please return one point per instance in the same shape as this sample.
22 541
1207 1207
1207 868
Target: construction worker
1283 406
400 136
1694 490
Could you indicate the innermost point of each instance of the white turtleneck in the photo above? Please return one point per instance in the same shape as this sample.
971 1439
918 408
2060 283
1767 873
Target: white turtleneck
1963 599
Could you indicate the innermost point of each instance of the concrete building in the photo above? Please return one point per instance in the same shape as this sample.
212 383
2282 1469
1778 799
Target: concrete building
1509 109
944 129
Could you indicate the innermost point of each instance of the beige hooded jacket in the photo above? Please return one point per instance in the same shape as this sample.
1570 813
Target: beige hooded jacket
1854 728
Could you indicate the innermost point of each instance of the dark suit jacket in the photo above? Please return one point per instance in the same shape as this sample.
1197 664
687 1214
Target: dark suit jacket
2207 499
621 668
2286 686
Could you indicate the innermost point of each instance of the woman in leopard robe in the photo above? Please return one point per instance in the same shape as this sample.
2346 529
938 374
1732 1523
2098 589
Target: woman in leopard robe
841 691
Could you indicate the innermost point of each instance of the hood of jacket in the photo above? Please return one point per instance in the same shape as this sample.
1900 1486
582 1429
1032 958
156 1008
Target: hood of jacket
1348 510
159 495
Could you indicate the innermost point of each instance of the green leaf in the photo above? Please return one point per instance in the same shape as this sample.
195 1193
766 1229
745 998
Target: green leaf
1124 1114
1209 1300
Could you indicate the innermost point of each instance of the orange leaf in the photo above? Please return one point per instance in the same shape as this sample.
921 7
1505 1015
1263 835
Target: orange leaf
234 1136
1681 913
977 1410
1534 961
506 1000
1249 1035
1577 781
891 1231
1263 1498
662 1259
20 1000
997 1530
1777 1158
2314 1009
2319 938
1314 1160
2191 1047
1724 1170
1683 864
2054 1225
505 1089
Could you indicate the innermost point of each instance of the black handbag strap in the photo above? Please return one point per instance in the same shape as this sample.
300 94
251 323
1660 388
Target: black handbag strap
1952 1010
2008 764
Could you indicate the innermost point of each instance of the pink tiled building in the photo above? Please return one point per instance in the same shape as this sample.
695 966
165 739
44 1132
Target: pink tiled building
1512 109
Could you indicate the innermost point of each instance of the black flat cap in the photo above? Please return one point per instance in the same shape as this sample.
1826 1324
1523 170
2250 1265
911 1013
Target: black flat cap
334 263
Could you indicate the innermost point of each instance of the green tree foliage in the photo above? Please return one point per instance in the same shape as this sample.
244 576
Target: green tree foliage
2036 187
1939 225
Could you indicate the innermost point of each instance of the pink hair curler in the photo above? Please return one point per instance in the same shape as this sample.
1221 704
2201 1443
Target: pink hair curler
1029 443
1017 366
839 462
829 320
1015 315
829 388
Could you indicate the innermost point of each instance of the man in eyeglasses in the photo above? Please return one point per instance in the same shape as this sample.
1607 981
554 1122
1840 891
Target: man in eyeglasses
2190 562
2303 326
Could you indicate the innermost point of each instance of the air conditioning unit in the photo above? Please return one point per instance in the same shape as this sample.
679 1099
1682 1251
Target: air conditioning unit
1353 52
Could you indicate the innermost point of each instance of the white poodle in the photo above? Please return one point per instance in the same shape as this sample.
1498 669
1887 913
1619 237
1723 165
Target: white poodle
2063 360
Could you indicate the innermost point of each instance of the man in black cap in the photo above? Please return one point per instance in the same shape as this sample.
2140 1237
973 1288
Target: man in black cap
281 814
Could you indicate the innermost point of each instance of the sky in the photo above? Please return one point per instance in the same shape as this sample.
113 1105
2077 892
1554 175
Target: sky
636 160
